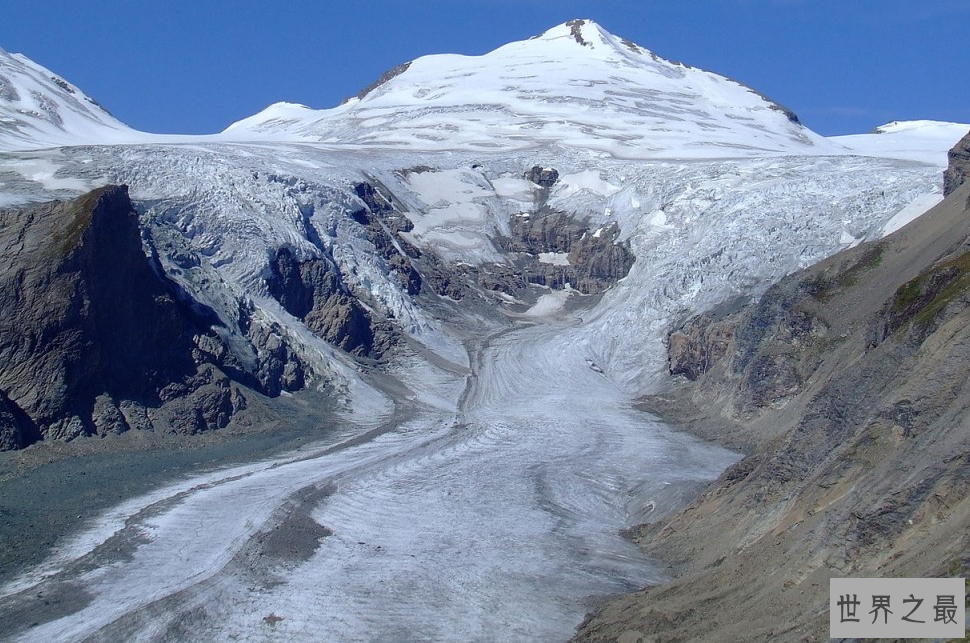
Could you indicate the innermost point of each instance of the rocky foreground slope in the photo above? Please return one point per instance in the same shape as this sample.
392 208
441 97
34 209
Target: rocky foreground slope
848 384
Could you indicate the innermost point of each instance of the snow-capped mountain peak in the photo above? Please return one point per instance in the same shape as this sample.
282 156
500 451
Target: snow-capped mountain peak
595 41
576 85
40 109
583 32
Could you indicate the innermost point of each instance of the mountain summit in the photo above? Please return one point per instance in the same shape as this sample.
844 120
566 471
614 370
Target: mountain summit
576 85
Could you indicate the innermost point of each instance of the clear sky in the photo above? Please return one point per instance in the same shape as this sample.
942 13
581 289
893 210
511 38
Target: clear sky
194 66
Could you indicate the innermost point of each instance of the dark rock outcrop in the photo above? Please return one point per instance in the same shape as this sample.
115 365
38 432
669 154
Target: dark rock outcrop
545 177
545 230
384 78
16 429
576 30
94 339
698 344
598 260
958 166
385 222
278 367
312 290
589 261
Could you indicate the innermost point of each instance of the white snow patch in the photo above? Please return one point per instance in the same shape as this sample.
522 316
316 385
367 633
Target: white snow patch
923 141
911 212
657 218
447 186
44 170
549 303
555 258
452 214
847 239
590 180
513 188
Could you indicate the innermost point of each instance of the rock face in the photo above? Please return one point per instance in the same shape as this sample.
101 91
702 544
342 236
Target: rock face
576 30
385 222
554 249
545 177
385 77
958 167
847 385
94 340
701 342
313 291
551 247
16 429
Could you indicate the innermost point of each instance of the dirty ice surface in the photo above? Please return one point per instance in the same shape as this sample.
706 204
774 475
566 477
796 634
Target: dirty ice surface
489 512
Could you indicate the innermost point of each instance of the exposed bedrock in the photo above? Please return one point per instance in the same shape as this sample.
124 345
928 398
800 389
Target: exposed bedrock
546 247
94 338
414 269
958 166
312 290
553 248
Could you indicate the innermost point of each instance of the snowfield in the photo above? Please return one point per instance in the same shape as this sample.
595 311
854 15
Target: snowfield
576 86
483 502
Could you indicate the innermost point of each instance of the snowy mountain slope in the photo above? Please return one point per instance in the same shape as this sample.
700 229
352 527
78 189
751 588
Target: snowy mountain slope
576 85
910 140
40 109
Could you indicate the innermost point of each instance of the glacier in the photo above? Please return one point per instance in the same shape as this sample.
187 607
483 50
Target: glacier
476 487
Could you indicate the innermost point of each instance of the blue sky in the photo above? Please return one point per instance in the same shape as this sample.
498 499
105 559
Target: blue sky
845 66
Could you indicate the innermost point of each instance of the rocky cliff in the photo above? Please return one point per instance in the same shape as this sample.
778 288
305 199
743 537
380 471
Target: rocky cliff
958 168
313 291
94 339
848 386
555 248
